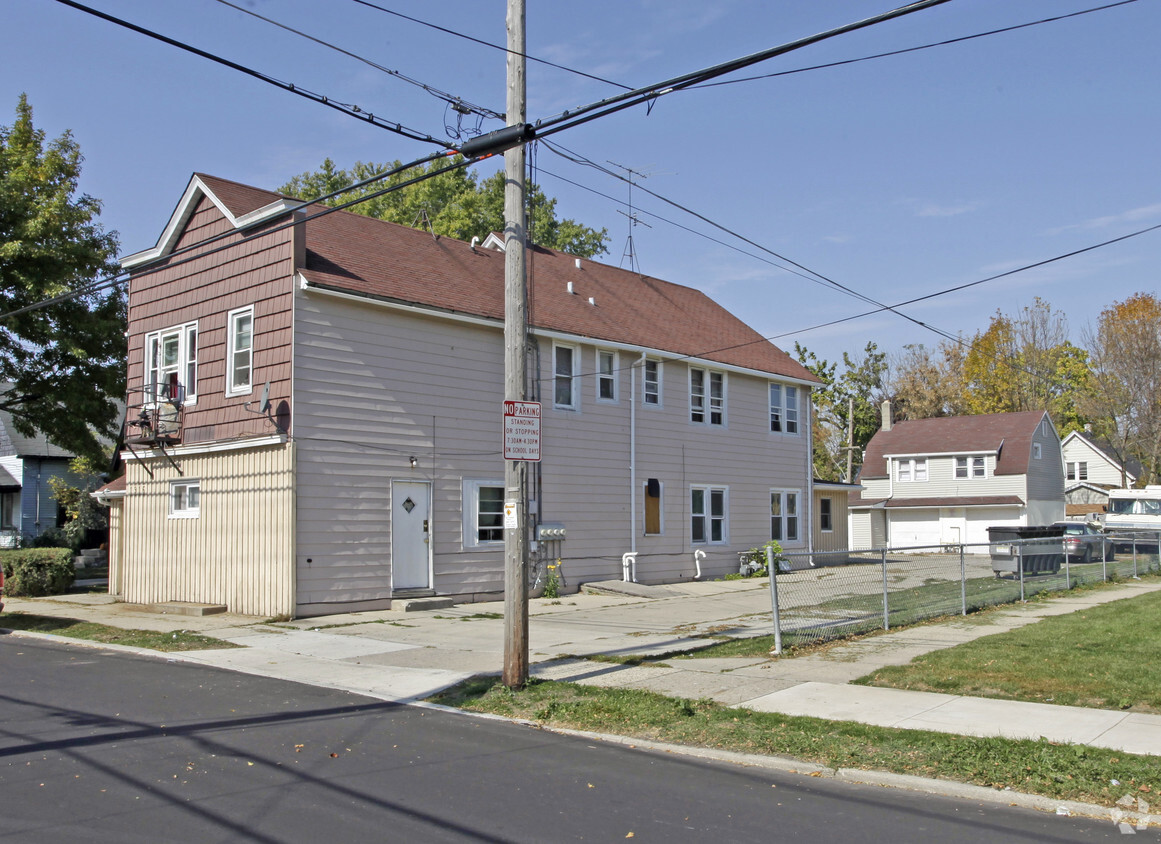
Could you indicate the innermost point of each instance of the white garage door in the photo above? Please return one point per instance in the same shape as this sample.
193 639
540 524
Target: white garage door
914 527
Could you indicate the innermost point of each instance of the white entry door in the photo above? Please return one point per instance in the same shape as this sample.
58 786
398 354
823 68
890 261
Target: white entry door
410 535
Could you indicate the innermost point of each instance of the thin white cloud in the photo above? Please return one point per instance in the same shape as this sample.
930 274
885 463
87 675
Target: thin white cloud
1133 215
933 210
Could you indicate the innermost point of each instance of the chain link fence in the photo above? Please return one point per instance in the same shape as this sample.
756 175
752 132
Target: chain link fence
827 595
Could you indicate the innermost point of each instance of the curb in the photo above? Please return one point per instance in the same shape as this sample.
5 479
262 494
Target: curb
883 779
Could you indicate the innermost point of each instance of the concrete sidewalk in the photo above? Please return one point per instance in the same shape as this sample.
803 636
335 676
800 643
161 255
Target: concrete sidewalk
405 656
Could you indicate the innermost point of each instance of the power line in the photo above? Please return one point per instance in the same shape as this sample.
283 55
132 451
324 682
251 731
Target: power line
450 99
167 262
906 50
481 42
346 108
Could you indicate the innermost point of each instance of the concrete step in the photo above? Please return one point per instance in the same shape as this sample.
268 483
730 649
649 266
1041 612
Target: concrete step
417 604
185 608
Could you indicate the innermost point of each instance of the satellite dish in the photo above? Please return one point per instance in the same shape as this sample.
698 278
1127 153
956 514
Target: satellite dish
264 403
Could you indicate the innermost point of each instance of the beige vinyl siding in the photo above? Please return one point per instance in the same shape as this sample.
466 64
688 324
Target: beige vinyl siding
373 388
837 538
376 385
1101 471
237 552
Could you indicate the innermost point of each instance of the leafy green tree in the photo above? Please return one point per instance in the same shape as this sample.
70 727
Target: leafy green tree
82 513
63 365
846 401
454 203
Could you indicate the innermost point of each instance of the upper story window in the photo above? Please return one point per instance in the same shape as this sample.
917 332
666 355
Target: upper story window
970 467
240 352
911 469
1036 451
564 359
707 396
1078 470
171 364
606 375
783 408
651 383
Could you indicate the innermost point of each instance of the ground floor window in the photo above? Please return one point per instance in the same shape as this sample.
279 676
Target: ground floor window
825 515
10 510
653 525
185 499
784 515
707 506
483 513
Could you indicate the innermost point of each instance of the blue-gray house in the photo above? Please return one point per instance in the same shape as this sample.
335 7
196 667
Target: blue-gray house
27 508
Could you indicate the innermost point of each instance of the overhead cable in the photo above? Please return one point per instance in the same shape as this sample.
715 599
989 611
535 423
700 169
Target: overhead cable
346 108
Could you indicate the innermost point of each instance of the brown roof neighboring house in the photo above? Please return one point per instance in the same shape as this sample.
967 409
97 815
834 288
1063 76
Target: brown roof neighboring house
1009 435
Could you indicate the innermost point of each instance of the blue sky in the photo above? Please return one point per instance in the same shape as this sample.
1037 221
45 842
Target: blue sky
898 177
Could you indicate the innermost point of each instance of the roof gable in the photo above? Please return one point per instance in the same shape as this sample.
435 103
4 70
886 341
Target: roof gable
1008 435
1076 441
572 297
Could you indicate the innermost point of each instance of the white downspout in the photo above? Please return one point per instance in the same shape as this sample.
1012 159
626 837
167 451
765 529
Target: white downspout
633 456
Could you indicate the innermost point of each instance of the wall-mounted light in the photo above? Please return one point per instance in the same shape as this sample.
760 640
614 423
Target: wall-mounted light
414 462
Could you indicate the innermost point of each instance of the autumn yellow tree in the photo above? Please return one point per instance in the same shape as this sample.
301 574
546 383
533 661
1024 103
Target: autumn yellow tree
1125 359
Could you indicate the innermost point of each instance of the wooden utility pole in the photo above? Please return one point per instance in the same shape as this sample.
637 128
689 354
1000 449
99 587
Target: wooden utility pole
515 346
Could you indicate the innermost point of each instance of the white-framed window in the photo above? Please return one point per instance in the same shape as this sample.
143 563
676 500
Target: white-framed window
783 409
606 375
240 352
970 467
185 499
784 515
651 383
826 515
171 364
483 513
1036 451
564 363
1078 470
10 510
707 396
708 517
911 469
653 492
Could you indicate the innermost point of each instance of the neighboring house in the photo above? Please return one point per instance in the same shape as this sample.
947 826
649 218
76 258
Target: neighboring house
322 426
27 508
946 481
1091 469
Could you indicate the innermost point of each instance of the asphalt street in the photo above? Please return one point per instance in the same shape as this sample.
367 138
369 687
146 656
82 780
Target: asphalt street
98 745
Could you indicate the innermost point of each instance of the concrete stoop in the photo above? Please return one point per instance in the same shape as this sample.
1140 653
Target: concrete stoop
417 604
185 608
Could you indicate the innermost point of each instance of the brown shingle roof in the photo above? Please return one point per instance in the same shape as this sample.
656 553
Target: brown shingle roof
958 434
362 255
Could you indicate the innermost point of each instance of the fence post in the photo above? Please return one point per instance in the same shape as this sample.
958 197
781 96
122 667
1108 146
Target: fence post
1067 578
1134 556
886 622
1105 558
1020 566
771 570
962 581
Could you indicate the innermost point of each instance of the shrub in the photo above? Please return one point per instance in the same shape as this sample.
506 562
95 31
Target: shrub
35 572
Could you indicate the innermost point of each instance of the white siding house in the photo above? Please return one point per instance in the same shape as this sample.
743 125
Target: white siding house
946 481
340 384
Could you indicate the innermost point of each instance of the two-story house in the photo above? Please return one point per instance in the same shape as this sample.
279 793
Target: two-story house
1091 469
318 416
946 481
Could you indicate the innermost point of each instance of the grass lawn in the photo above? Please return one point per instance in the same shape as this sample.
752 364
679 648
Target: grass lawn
1102 657
1098 657
72 628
